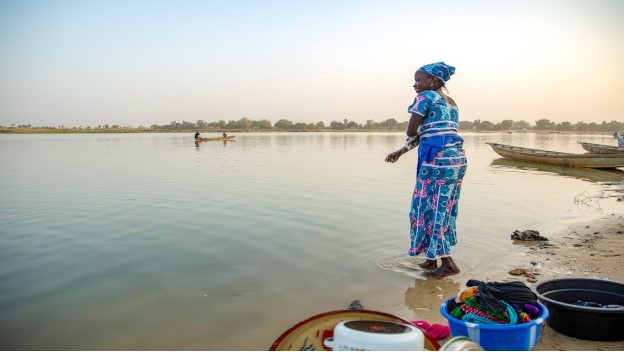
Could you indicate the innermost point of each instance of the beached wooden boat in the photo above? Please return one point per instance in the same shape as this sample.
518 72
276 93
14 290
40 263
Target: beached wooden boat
591 160
228 138
601 148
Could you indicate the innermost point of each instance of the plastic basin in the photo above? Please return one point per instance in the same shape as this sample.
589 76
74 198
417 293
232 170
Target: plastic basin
583 322
494 337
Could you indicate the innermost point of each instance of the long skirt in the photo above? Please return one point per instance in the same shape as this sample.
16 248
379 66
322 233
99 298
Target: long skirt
435 201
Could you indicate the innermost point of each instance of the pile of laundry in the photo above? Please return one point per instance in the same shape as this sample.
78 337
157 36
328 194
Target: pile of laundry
495 303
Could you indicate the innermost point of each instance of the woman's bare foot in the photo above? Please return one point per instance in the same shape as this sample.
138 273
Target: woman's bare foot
428 264
447 268
442 271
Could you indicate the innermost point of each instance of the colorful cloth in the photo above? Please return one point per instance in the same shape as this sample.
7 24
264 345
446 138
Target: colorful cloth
504 316
435 331
471 314
439 69
466 293
440 172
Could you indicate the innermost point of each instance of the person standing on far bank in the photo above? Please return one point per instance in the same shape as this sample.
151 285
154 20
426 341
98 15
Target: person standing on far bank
440 170
619 137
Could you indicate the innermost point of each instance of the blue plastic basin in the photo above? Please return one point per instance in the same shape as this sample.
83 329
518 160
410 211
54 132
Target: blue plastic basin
495 337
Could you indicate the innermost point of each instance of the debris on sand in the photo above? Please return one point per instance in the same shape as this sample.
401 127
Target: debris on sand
528 235
531 275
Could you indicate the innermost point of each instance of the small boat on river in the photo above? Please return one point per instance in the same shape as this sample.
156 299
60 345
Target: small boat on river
590 160
602 148
228 138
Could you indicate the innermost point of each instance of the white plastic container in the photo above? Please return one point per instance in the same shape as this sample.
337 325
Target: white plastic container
373 335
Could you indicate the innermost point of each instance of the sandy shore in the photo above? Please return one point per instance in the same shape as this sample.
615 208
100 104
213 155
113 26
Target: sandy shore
587 250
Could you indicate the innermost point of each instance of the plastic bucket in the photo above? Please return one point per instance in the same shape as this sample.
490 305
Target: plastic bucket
375 335
492 337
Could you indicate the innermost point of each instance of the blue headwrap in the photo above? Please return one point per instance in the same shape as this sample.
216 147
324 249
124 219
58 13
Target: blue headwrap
439 69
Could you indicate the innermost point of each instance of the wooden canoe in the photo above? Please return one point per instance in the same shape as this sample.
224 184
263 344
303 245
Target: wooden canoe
228 138
591 160
601 148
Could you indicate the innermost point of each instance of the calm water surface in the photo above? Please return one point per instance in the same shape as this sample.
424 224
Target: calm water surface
148 241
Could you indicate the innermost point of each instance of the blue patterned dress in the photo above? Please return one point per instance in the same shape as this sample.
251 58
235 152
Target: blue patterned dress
441 167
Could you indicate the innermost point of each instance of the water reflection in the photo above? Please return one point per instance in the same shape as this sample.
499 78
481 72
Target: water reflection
430 293
585 174
225 142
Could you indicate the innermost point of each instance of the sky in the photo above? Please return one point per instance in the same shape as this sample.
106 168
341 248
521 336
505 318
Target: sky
138 62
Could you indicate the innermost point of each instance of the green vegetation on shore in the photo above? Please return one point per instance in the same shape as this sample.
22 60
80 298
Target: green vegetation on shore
391 124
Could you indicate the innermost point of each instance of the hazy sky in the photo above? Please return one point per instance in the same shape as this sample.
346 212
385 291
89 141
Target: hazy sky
132 62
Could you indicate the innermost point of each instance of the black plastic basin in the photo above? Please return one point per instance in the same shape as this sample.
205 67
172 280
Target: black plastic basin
584 322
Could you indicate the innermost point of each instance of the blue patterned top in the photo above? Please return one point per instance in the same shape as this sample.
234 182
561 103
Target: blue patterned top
439 117
439 127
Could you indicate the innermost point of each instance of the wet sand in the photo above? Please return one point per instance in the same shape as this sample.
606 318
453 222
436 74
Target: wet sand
586 250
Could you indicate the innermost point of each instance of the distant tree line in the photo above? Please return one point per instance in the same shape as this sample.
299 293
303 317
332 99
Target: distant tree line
542 125
391 124
246 124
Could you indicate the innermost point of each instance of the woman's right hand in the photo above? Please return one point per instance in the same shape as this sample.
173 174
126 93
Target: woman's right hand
394 156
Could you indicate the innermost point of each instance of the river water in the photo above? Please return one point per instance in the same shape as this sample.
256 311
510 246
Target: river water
151 242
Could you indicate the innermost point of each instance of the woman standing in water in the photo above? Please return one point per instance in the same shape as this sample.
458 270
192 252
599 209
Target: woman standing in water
442 163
